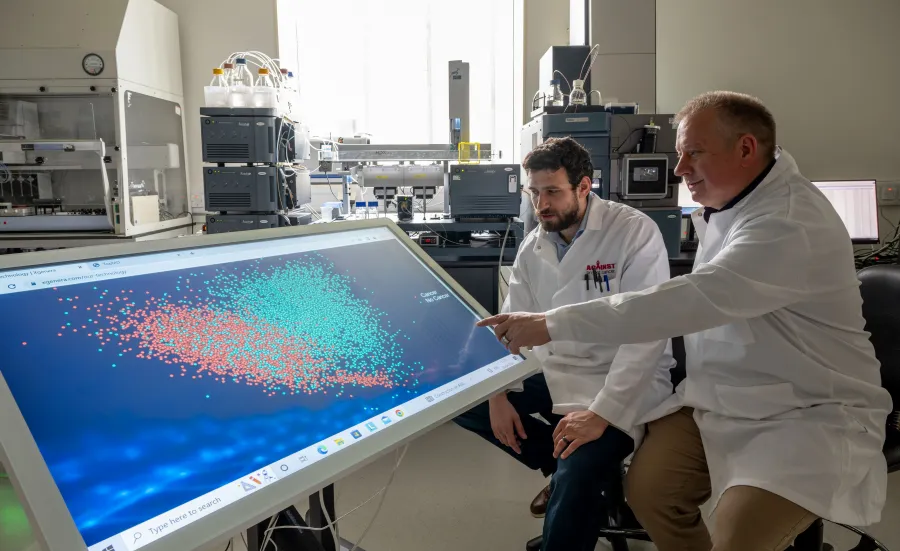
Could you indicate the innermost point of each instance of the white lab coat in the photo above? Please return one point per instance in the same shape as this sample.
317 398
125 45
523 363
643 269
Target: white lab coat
619 383
782 376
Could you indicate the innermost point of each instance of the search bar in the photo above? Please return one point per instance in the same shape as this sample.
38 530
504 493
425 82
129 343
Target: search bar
162 525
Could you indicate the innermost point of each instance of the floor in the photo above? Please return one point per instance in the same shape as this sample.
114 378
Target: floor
452 492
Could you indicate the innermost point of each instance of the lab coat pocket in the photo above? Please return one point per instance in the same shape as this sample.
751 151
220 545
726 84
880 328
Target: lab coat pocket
613 286
571 349
860 449
757 402
738 332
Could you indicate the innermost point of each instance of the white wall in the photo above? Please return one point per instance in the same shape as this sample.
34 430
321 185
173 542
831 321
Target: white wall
625 69
546 24
210 30
828 70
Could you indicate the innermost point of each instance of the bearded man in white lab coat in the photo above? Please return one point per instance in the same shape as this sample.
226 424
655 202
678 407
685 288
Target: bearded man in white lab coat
781 418
585 248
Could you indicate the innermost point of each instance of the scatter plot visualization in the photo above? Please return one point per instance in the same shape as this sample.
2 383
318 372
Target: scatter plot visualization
147 391
291 328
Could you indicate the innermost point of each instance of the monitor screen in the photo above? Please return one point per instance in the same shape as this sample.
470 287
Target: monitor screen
855 202
684 198
161 388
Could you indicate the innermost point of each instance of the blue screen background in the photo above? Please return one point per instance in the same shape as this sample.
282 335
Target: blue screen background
127 438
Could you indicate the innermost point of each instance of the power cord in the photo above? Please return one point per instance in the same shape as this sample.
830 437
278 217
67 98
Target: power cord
331 189
331 525
268 535
886 219
887 253
383 491
381 501
628 137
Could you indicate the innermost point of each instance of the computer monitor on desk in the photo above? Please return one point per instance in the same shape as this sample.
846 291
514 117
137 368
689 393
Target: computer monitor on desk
166 394
685 201
688 206
856 203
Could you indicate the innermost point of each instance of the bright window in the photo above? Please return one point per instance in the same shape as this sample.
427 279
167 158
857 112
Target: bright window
380 67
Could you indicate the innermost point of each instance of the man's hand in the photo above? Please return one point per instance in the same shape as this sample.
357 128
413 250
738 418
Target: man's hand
505 422
519 330
575 430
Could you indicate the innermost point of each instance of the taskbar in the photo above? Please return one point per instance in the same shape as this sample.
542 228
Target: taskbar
162 525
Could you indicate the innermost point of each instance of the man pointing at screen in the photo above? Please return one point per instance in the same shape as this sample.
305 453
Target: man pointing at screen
784 415
596 396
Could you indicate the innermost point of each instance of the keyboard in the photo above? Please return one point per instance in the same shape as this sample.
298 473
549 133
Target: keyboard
689 246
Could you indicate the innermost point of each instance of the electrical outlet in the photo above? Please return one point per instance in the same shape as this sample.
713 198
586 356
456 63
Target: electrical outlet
889 194
197 202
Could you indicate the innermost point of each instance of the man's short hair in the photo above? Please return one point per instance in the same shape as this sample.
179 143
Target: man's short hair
557 153
739 113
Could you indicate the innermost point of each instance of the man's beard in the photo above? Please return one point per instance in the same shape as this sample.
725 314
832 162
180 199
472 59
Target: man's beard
563 220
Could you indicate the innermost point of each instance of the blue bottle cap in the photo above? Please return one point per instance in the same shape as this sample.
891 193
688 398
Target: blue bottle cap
290 74
240 61
554 81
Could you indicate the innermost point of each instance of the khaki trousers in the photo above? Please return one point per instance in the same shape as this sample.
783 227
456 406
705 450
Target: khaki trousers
669 480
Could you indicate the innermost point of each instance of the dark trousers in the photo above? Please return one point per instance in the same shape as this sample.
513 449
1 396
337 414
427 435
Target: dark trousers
576 511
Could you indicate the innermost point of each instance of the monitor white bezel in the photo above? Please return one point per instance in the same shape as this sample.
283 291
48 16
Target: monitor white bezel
50 519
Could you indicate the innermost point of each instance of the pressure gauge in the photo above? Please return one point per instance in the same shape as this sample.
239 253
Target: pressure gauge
92 64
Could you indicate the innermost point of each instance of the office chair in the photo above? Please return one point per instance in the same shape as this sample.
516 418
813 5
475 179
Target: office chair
621 525
880 289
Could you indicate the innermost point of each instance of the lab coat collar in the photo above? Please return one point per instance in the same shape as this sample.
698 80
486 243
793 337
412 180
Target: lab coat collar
558 240
596 207
709 211
784 164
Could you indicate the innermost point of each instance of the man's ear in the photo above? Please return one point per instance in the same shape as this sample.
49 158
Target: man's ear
749 147
584 186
